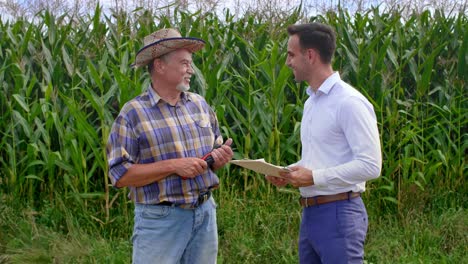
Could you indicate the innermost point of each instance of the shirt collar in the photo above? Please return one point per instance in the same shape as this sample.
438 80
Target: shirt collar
155 98
327 85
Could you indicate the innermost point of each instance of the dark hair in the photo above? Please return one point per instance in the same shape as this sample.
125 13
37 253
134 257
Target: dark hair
151 64
151 67
316 36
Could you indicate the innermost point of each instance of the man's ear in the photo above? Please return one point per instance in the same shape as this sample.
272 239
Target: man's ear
159 65
312 55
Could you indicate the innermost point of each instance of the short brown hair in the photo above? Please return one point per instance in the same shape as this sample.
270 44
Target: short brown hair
316 36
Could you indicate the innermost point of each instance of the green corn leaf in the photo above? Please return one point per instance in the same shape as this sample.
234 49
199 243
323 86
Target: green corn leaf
21 101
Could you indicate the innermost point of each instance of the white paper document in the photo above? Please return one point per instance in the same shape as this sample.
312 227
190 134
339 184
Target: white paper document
260 166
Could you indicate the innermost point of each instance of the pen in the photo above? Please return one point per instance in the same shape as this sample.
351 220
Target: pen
208 158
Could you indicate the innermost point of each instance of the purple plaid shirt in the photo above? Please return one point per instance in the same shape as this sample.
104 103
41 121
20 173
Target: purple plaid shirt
148 129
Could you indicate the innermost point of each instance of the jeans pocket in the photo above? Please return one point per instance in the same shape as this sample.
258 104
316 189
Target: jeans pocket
147 215
155 212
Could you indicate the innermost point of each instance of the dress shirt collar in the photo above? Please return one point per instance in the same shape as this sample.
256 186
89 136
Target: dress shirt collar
327 85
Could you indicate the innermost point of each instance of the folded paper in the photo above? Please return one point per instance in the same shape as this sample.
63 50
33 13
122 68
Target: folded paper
260 166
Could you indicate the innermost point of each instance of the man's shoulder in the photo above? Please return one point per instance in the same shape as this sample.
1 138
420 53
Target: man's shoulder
138 102
347 91
195 97
345 95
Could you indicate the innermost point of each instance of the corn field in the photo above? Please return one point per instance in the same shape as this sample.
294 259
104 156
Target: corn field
63 80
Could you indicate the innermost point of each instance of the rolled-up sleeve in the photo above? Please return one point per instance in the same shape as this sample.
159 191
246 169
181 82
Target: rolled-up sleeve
121 148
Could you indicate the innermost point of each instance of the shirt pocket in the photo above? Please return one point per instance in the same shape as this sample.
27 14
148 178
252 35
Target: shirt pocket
204 133
203 121
204 128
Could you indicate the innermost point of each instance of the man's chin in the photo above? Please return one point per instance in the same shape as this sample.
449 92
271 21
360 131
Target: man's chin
298 79
183 88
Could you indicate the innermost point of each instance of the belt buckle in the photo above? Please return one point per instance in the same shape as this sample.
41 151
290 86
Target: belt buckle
202 198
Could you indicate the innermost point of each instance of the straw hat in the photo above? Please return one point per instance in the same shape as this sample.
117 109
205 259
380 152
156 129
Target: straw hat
164 41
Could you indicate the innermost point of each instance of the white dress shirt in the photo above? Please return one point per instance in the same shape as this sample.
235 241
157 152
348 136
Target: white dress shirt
340 139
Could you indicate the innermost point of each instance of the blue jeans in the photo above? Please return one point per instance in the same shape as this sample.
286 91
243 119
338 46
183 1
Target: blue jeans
333 232
169 234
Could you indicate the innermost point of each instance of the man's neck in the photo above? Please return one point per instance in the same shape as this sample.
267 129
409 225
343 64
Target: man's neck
319 76
170 95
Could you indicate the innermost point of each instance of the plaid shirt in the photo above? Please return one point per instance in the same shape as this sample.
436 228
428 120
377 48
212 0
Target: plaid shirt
148 129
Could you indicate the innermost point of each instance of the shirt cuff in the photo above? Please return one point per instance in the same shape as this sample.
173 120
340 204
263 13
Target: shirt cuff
116 172
319 178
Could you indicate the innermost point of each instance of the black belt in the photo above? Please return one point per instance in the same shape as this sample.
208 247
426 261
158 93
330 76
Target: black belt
200 200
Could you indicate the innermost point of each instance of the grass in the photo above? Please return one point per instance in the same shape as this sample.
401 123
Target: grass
258 228
30 236
419 238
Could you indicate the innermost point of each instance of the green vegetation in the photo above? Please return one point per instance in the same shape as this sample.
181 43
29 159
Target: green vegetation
64 79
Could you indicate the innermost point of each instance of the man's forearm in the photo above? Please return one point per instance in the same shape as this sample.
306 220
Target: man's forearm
143 174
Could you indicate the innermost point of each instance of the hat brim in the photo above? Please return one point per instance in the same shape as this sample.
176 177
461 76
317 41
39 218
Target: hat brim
154 50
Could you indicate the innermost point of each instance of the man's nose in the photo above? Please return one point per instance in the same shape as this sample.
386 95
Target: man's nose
190 69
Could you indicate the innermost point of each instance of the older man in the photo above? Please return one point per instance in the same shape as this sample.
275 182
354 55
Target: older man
162 148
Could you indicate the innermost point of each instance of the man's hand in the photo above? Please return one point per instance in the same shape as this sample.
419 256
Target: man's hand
298 176
278 182
189 167
222 155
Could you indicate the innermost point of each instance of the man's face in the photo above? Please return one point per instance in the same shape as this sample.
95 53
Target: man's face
297 59
178 69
